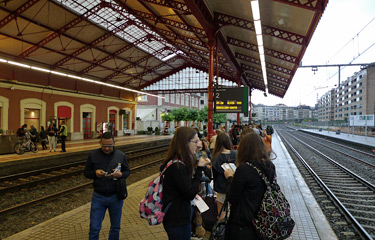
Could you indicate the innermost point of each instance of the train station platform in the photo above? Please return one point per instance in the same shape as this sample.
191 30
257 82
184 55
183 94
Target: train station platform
310 221
75 151
348 137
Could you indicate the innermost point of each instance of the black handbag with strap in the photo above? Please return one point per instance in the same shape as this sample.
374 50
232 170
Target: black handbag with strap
209 217
121 189
218 230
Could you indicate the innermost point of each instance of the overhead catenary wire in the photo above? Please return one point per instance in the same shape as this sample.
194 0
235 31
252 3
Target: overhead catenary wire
357 35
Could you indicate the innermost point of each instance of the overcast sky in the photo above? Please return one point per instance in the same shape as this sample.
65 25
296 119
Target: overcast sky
340 36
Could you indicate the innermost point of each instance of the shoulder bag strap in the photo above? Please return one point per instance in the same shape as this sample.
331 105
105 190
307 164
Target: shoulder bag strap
224 208
170 163
263 176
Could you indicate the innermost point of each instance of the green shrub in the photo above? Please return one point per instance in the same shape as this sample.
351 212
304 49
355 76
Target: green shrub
157 131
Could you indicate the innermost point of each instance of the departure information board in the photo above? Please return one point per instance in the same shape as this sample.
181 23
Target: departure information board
231 100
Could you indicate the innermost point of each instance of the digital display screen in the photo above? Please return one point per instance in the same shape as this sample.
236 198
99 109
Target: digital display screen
231 100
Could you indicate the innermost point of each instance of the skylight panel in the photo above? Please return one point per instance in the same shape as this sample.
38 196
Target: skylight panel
110 19
88 4
135 32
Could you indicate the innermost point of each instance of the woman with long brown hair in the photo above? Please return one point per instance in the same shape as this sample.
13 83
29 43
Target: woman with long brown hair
181 183
245 188
222 154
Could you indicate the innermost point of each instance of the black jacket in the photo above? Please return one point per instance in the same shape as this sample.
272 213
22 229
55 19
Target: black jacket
220 183
245 192
43 134
99 160
51 131
179 188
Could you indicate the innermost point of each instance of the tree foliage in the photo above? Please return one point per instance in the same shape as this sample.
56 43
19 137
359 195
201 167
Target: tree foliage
186 114
192 115
180 114
220 118
167 117
203 114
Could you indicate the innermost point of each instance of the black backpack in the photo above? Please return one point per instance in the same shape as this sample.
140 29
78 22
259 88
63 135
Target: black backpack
20 132
269 130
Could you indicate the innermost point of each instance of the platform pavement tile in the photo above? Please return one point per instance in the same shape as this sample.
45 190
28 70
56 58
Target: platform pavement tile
133 227
289 187
77 221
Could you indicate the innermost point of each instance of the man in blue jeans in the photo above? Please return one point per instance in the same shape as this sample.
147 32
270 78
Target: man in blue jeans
103 167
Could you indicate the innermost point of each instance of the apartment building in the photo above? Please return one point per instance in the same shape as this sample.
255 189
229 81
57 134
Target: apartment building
282 112
326 106
356 95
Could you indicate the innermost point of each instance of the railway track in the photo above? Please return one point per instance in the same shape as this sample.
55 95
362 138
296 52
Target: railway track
32 178
363 157
351 194
138 161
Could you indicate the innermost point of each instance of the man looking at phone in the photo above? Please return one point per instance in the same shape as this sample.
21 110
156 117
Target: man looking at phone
103 166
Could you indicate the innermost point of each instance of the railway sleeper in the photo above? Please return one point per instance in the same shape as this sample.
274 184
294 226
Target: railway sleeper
348 234
368 192
23 180
34 178
370 208
350 187
361 211
327 170
336 175
341 181
351 200
365 219
352 197
369 227
48 175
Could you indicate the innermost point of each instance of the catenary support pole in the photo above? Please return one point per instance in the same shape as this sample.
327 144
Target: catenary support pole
211 46
250 105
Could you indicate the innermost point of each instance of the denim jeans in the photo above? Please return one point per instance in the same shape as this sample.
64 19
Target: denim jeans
179 233
99 205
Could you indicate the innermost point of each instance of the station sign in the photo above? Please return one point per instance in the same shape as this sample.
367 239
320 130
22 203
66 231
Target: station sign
231 100
362 120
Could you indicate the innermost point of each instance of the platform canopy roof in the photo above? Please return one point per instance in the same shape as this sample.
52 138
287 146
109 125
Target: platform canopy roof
135 43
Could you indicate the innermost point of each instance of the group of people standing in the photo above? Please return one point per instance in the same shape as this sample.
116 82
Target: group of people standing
48 136
243 189
182 181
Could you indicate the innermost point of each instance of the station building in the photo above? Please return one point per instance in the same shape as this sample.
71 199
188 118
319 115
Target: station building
38 98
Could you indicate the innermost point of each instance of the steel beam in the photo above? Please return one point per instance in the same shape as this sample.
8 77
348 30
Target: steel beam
225 19
312 5
180 6
17 12
93 43
267 51
203 15
57 33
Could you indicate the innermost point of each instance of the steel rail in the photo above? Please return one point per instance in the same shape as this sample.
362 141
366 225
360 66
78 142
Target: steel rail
53 196
346 154
358 227
338 144
52 173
